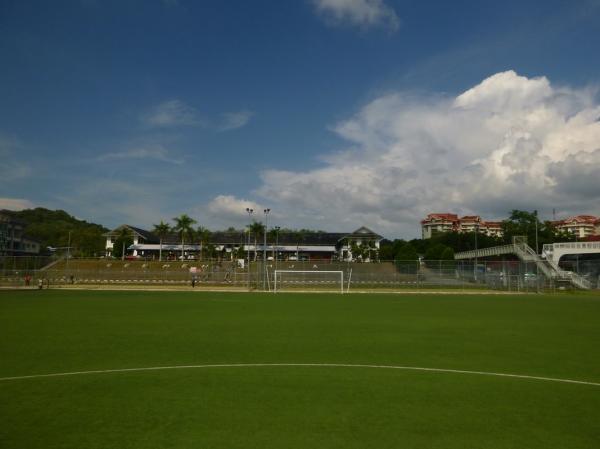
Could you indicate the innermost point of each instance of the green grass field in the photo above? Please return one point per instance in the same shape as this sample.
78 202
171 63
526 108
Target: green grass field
43 332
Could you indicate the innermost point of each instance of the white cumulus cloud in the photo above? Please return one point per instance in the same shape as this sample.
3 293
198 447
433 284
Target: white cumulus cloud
510 142
230 207
361 13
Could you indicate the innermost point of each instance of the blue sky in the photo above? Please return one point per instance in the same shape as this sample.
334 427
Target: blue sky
333 113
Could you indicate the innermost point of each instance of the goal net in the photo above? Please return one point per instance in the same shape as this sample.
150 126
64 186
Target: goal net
308 279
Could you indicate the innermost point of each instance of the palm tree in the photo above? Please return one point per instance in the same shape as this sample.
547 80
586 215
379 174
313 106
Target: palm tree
203 235
257 228
183 225
161 230
298 236
272 234
123 234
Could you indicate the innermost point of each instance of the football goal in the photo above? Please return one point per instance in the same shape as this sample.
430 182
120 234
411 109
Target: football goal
308 279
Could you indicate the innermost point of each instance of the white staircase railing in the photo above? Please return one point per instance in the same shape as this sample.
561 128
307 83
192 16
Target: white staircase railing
527 254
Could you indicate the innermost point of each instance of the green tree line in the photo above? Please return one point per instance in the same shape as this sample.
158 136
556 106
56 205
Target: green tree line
442 246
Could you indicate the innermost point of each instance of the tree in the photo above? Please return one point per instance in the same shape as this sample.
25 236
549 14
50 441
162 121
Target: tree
272 235
161 230
462 241
526 223
124 238
406 252
370 247
183 226
447 254
51 228
355 251
436 252
203 235
256 228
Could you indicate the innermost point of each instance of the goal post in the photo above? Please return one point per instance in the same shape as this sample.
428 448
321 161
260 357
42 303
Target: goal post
307 277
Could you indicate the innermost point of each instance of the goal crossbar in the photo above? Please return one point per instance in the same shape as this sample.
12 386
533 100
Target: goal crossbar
341 273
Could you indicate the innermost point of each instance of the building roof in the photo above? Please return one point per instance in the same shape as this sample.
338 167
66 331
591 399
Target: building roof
363 232
312 238
440 216
146 235
583 219
239 237
493 224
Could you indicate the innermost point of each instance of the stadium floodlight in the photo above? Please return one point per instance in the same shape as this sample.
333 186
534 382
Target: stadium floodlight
309 278
276 249
250 212
266 211
476 232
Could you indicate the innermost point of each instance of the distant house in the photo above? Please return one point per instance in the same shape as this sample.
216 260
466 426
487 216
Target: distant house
362 244
13 240
138 235
363 239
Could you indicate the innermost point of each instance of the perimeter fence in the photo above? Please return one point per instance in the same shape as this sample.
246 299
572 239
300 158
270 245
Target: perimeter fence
507 275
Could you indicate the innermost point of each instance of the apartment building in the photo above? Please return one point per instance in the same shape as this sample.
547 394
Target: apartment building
582 226
446 222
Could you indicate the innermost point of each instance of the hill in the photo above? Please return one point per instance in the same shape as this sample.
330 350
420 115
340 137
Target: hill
52 227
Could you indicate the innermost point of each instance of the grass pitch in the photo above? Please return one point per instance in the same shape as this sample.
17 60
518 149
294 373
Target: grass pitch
43 332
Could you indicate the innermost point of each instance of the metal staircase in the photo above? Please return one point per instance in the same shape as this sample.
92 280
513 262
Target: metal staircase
525 253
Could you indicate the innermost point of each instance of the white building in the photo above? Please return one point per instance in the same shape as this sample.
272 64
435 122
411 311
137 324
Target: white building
13 241
360 245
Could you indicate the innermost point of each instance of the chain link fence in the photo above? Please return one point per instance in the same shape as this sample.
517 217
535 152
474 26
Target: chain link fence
506 275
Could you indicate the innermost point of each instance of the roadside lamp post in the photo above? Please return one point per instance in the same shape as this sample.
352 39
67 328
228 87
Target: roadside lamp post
250 212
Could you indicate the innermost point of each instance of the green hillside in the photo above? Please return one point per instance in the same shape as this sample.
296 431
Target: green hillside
52 227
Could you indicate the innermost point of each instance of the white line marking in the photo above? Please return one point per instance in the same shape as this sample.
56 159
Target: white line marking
316 365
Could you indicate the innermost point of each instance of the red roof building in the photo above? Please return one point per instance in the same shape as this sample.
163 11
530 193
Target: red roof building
435 223
582 226
445 222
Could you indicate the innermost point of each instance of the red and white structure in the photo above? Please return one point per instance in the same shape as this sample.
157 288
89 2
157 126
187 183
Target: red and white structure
582 226
446 222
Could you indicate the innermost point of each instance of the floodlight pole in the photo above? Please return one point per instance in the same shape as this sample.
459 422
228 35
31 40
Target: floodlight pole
475 269
266 211
537 251
276 251
249 211
68 250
